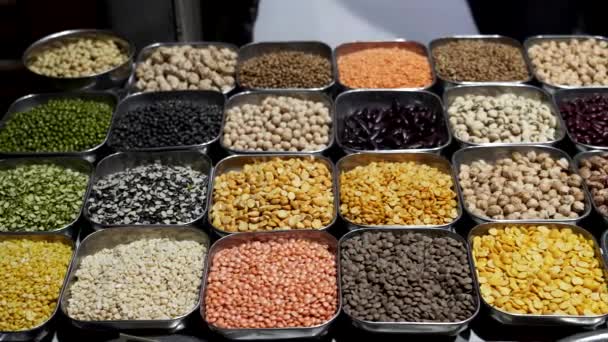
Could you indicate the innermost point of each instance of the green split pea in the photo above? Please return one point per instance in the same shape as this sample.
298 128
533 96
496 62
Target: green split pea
67 125
40 197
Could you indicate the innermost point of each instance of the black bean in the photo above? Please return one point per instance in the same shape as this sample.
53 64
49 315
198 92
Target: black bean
587 119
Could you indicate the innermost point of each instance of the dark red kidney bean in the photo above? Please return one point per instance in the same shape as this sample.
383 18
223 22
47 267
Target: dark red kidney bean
587 119
396 127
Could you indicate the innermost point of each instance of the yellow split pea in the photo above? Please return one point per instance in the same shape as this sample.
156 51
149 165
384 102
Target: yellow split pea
540 270
397 193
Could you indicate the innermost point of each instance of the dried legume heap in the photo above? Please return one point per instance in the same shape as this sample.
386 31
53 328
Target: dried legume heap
397 193
504 118
166 123
40 197
594 170
272 284
406 277
294 193
399 66
68 125
155 193
586 118
33 273
540 270
278 123
147 279
530 186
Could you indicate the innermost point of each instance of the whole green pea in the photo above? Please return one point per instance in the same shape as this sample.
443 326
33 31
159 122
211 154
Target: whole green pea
62 125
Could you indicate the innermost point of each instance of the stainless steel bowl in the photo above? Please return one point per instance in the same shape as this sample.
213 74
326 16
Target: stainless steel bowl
147 51
347 48
528 319
39 332
271 333
562 95
256 98
492 154
258 49
352 100
199 97
534 40
577 165
103 239
491 89
236 163
112 78
442 328
125 160
351 161
73 163
446 83
29 102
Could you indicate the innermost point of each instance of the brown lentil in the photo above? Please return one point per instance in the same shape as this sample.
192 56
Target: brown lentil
540 270
293 193
397 193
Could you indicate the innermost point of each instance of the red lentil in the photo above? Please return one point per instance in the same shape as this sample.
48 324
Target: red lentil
272 284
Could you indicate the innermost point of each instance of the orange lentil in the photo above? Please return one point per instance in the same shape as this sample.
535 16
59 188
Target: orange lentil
398 66
272 284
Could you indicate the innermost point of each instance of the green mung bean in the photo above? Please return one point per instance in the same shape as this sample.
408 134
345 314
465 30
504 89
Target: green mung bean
40 197
62 125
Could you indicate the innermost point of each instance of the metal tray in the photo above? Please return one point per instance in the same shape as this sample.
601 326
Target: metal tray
271 333
149 50
347 48
108 79
493 153
28 102
494 37
443 328
534 320
498 89
74 163
257 49
561 95
351 100
256 97
199 97
577 163
351 161
124 160
236 163
37 333
533 40
100 240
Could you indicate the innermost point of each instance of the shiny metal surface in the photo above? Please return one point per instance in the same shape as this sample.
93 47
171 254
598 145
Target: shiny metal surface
349 101
561 95
149 50
28 102
125 160
199 97
347 48
446 83
251 50
44 328
533 40
110 238
256 98
492 154
442 328
528 319
237 162
73 163
577 164
351 161
272 333
491 89
109 79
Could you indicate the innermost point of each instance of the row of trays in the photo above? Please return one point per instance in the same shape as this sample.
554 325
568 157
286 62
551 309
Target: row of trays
110 238
118 75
